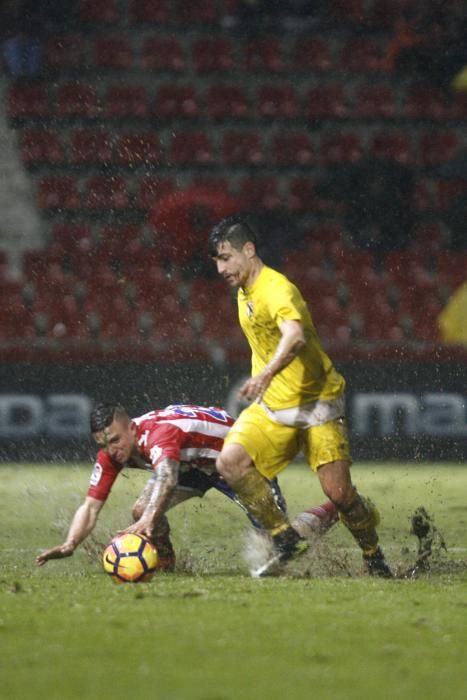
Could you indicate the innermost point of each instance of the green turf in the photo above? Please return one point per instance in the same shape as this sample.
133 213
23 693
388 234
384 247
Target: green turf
210 632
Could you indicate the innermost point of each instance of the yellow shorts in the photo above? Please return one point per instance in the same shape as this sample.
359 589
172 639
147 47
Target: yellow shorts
272 445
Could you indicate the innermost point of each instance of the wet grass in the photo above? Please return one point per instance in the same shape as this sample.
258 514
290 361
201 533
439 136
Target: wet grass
210 632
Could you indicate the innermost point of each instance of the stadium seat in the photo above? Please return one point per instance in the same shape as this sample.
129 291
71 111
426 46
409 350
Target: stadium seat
395 146
211 55
301 195
361 55
435 148
176 101
259 193
105 192
426 102
312 54
351 11
277 102
151 189
340 148
242 148
113 52
292 149
450 191
190 147
263 55
65 52
41 146
27 102
163 53
424 196
375 101
133 149
325 102
225 102
150 11
58 192
103 11
76 100
188 13
127 102
89 146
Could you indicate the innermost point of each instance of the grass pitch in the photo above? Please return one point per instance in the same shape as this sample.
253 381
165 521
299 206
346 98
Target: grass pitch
209 632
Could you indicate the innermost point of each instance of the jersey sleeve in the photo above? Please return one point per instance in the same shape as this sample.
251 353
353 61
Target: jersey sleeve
165 441
103 476
285 302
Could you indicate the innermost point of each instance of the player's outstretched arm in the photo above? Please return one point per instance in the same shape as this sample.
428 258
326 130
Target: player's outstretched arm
159 499
83 523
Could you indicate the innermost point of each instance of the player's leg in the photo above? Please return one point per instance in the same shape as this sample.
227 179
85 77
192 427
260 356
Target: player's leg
255 450
316 520
328 453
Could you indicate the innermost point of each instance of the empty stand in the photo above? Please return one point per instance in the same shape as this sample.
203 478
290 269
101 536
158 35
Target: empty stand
42 146
292 149
225 102
113 52
104 192
340 148
263 55
176 101
76 100
58 192
312 54
191 147
277 102
326 101
212 55
375 101
163 53
149 11
88 146
129 101
133 149
27 102
259 193
242 148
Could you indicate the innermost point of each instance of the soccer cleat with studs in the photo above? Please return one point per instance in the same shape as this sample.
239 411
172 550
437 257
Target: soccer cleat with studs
288 545
376 564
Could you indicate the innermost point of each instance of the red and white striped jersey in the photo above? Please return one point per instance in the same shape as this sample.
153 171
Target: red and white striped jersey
192 435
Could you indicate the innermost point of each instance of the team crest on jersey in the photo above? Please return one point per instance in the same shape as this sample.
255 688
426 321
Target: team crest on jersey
249 309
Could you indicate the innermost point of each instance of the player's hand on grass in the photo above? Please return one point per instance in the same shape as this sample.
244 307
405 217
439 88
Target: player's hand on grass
60 552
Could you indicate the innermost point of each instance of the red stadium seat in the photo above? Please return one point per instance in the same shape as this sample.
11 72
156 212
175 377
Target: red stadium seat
263 55
211 55
340 148
198 13
113 52
450 191
226 102
435 148
163 54
375 101
150 11
302 195
349 11
361 55
58 192
90 146
41 146
190 148
76 100
426 102
106 192
277 101
65 52
175 101
151 190
312 54
392 146
259 193
95 12
127 101
292 149
137 149
242 148
327 101
27 102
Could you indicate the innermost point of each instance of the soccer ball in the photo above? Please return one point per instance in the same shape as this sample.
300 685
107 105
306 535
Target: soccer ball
130 559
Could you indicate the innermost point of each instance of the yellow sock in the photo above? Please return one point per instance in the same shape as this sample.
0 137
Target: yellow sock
255 494
361 520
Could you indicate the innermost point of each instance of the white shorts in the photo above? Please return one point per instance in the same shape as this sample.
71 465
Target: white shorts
310 414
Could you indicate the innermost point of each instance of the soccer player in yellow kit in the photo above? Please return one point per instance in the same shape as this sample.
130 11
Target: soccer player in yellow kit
297 402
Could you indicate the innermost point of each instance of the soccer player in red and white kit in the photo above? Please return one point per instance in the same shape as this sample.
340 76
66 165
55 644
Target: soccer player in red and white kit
180 445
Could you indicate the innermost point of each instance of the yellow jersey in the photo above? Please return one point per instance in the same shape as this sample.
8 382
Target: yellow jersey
271 299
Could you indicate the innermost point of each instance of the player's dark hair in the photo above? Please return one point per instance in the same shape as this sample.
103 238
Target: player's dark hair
103 414
236 230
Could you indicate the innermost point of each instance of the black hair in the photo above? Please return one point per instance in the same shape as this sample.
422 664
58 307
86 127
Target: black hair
235 229
103 414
